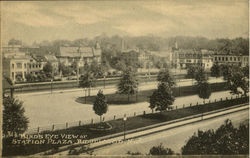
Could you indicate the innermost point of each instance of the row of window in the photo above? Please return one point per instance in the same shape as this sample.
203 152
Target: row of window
19 65
35 66
227 58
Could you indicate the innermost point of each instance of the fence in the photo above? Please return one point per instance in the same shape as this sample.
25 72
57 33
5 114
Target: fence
121 116
55 85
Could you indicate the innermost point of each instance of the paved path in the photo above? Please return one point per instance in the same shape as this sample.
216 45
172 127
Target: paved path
174 134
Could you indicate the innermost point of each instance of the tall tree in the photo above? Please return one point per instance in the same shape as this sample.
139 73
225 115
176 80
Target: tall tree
14 120
200 75
215 70
191 71
100 105
238 81
128 83
164 76
204 90
161 98
48 69
87 80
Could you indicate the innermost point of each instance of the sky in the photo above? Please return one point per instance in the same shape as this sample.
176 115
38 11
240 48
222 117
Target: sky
31 21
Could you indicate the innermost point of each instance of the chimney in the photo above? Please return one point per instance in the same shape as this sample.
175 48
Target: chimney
176 45
122 45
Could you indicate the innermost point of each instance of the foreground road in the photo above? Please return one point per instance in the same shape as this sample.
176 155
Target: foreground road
173 138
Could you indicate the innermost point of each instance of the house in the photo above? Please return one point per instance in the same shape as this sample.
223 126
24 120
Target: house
182 58
54 62
36 64
81 55
15 66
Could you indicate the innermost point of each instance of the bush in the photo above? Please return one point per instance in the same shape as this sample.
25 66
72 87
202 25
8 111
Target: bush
160 150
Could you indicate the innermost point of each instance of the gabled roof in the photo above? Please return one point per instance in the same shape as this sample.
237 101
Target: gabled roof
50 58
79 52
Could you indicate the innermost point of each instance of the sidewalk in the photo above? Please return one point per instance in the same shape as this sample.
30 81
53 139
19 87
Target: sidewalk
142 86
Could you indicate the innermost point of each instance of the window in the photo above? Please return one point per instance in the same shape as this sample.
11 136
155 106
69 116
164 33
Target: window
234 58
13 66
25 74
215 58
25 65
13 74
231 58
238 58
226 59
219 58
19 65
222 58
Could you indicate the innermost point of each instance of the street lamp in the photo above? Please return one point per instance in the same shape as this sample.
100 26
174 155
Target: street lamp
51 85
104 79
124 126
85 94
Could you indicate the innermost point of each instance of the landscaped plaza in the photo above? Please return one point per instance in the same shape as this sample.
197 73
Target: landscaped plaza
63 107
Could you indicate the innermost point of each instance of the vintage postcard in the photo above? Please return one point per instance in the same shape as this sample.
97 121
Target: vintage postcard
123 78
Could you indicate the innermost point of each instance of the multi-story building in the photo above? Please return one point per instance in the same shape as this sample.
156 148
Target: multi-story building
182 58
15 66
54 62
81 55
36 64
228 59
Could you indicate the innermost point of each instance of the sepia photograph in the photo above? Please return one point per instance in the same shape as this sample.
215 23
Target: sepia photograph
125 78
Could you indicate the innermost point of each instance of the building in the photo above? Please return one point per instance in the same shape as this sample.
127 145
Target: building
15 66
81 55
36 64
11 48
229 59
182 58
54 62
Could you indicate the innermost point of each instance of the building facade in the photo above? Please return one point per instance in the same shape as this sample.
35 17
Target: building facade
182 58
81 55
226 59
15 67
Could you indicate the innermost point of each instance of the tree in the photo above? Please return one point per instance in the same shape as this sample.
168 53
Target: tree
215 70
164 76
226 71
161 98
237 79
204 90
87 80
200 74
245 71
100 105
191 71
14 120
226 140
30 77
14 42
128 83
160 150
48 69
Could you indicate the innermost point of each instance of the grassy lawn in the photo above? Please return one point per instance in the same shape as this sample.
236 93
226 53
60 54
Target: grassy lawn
143 96
117 126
